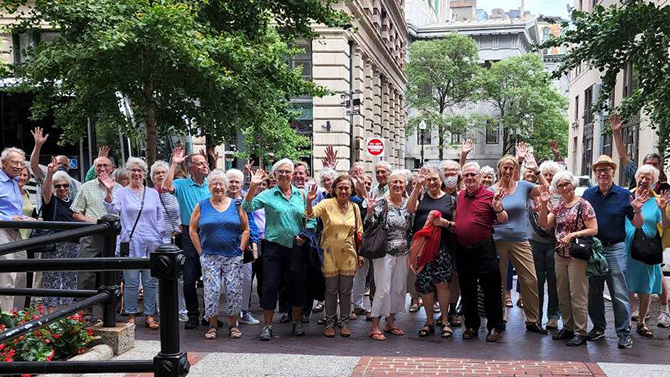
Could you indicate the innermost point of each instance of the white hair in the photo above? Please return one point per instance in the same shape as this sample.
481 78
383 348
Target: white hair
160 164
564 175
7 151
218 174
355 165
451 164
473 164
402 173
61 176
486 170
283 161
327 173
648 169
137 161
550 166
235 173
384 165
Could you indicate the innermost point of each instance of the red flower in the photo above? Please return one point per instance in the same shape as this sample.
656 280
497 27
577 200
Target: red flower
40 309
22 338
11 352
2 346
8 359
56 336
25 375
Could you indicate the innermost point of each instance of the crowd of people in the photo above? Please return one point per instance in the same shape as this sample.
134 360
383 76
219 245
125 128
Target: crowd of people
306 242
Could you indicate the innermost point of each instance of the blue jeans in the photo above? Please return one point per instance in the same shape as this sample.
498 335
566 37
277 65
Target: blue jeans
543 257
192 273
617 258
131 284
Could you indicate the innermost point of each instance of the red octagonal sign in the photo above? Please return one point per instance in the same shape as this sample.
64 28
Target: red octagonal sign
376 146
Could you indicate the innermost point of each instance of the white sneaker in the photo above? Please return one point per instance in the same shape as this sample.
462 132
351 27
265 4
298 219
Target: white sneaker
183 317
664 320
248 319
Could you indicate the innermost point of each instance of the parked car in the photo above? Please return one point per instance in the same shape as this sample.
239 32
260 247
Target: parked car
584 183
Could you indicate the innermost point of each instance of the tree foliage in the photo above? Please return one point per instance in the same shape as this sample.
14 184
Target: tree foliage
221 63
442 74
611 39
529 108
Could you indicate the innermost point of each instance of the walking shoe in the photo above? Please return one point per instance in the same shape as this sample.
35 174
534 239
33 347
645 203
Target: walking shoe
664 320
191 323
595 334
183 317
285 318
534 327
493 335
298 329
329 332
469 333
345 331
576 340
625 342
304 318
563 334
266 334
248 319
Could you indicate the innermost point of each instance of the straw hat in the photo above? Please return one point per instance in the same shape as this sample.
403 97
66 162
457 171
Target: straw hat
604 160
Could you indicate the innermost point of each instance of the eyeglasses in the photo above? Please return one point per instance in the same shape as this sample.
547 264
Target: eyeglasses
136 170
16 163
470 175
603 171
284 172
64 185
564 185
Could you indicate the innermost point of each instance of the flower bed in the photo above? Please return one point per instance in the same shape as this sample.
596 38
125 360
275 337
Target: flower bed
58 341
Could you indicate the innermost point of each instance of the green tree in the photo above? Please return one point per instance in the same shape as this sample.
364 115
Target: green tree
610 39
528 107
221 63
441 74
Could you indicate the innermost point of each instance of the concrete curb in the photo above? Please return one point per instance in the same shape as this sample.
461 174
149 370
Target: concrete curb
97 353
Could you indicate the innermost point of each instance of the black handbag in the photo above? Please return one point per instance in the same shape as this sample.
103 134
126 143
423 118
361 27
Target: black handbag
647 250
581 247
124 247
375 238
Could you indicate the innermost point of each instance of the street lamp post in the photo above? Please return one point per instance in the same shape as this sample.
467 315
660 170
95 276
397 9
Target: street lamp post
422 127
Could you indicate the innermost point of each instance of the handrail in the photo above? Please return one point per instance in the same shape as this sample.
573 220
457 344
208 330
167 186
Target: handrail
80 264
43 292
35 224
49 239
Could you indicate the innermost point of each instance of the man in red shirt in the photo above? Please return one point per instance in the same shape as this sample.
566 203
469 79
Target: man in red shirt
477 210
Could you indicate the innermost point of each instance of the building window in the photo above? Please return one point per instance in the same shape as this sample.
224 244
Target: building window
427 136
456 138
303 61
493 133
576 109
588 104
587 151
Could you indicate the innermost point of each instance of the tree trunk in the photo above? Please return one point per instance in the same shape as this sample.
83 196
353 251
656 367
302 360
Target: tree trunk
150 112
440 139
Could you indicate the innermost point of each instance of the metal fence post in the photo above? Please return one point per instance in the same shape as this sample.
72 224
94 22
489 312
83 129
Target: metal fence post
167 263
108 281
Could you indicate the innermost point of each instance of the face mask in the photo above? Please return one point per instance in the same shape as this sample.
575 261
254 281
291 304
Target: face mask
451 182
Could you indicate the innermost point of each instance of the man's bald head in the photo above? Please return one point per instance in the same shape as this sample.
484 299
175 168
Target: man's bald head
101 164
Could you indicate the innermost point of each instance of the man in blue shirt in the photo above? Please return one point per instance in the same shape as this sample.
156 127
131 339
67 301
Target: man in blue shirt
612 205
189 192
11 208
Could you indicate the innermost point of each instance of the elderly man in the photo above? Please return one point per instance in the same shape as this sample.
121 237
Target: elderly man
300 174
87 206
11 208
382 172
612 205
189 192
476 257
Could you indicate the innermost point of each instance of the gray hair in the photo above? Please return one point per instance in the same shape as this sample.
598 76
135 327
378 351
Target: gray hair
61 176
487 170
119 172
160 164
7 151
402 173
432 167
472 164
564 175
283 161
137 161
648 169
550 166
355 165
219 174
384 165
454 164
235 173
327 173
303 164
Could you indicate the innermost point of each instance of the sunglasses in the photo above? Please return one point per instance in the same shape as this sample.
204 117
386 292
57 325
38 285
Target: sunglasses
64 185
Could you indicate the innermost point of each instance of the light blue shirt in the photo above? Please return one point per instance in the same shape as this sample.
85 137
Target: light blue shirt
189 194
516 228
11 201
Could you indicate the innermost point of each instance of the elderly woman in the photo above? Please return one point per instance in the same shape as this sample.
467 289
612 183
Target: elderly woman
141 216
511 238
284 211
642 278
327 177
542 243
171 220
235 182
488 176
219 229
572 217
390 272
56 207
121 176
436 275
341 220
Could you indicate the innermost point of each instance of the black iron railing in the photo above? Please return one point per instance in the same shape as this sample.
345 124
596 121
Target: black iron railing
166 265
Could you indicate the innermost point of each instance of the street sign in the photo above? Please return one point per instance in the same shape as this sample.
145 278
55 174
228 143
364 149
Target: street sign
375 146
74 163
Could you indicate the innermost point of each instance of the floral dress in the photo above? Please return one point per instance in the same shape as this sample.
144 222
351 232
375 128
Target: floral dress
399 223
567 222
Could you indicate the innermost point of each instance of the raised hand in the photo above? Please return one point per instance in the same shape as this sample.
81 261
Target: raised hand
178 154
372 201
106 181
52 168
553 144
247 167
467 147
530 162
360 187
641 197
662 201
213 154
39 136
497 200
421 179
311 194
545 194
256 178
616 122
330 161
103 151
521 151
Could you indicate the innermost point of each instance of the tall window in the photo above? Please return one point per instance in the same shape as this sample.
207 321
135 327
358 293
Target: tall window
456 138
493 133
587 152
576 109
588 103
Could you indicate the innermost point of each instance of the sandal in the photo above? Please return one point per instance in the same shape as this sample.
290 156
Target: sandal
447 332
212 333
427 329
234 333
455 320
508 302
414 308
377 335
395 330
645 331
318 307
151 323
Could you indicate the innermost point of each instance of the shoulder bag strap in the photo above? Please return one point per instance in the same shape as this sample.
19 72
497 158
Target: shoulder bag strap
144 193
174 228
304 204
579 216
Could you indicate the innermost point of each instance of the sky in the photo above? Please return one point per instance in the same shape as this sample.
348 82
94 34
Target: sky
536 7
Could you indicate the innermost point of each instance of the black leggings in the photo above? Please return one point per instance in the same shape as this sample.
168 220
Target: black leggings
277 263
